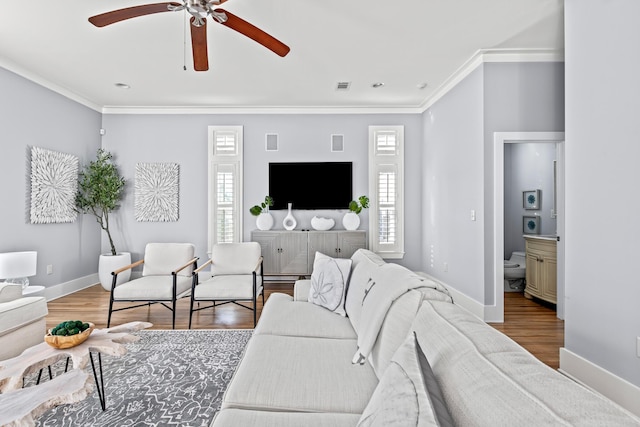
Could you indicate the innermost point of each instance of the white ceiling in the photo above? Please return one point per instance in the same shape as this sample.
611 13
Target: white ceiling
403 44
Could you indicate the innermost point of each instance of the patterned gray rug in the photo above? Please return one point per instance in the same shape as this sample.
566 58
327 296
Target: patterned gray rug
167 378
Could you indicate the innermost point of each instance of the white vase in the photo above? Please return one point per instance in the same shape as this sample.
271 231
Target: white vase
264 221
289 222
351 221
108 263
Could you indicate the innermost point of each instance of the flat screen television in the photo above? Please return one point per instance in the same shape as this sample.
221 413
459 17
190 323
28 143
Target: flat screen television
311 185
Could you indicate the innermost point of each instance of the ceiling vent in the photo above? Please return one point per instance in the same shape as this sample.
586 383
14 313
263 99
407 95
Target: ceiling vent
343 85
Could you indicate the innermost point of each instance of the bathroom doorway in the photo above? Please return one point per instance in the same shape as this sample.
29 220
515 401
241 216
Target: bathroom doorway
548 216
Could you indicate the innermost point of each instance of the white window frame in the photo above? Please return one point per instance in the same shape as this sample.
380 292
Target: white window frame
380 162
230 161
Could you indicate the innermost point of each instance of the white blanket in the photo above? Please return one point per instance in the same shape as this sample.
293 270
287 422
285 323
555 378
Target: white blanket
387 283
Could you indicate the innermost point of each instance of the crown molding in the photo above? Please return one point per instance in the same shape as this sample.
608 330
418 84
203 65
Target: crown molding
261 110
490 55
38 79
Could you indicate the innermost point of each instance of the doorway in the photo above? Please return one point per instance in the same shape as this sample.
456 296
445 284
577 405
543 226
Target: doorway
496 313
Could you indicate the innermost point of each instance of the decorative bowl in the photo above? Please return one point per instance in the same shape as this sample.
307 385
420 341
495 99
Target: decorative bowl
322 224
68 341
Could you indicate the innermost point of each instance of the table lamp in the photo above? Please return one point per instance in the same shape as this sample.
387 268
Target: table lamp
16 267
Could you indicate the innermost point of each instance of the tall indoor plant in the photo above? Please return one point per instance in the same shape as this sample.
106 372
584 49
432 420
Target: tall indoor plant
100 189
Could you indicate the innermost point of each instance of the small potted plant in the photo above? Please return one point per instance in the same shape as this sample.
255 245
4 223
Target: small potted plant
100 189
351 220
264 220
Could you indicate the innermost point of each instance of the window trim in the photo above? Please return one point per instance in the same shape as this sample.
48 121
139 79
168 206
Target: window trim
235 161
377 160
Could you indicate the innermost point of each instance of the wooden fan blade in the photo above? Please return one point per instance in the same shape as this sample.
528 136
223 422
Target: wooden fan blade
114 16
199 46
254 33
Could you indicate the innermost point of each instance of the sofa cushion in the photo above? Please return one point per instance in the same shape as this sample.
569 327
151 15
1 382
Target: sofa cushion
233 287
22 311
282 315
246 417
402 397
281 373
329 280
488 379
10 292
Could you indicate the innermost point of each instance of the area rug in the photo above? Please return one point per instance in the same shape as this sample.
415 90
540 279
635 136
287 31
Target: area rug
167 378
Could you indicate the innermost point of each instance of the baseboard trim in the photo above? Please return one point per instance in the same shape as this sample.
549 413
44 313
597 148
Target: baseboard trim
57 291
600 380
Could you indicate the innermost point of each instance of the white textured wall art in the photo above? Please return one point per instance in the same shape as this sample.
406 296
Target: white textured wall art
54 183
156 190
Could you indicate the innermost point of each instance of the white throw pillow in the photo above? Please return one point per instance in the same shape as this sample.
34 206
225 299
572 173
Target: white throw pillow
329 280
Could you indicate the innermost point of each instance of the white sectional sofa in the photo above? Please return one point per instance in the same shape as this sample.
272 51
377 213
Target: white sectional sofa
404 354
22 320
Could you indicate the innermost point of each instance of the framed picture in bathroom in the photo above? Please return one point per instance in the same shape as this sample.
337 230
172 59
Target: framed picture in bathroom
531 199
531 224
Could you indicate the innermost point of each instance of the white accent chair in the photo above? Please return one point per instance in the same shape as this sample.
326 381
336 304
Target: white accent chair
166 277
22 320
236 275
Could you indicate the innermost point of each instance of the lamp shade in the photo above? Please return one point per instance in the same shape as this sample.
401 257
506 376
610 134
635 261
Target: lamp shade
18 264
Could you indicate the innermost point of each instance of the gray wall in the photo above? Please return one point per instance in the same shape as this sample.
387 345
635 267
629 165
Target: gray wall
527 166
458 157
602 175
31 115
302 137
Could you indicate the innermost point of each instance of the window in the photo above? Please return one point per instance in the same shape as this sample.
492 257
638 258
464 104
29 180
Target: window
225 184
386 185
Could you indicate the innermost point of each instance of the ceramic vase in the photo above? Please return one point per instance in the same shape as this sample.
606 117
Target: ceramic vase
351 221
264 221
289 222
108 263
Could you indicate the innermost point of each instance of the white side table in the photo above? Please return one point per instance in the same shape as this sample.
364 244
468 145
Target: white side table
32 290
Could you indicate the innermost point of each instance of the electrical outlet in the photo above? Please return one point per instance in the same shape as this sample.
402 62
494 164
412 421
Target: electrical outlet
473 214
50 269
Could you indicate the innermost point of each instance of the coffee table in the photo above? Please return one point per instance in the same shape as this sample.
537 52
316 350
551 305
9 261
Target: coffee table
25 404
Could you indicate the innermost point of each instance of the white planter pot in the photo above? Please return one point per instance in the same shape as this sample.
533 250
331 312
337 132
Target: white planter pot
108 263
351 221
264 221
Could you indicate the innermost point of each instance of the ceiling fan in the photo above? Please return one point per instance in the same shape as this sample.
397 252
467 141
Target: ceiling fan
199 11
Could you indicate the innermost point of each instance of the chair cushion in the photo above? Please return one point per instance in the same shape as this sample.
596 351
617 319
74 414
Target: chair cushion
233 287
164 258
246 417
235 258
152 288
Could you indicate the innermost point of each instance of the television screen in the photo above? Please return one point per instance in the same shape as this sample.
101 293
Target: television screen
311 185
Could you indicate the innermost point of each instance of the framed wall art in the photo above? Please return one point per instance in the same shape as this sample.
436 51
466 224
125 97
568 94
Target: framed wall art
54 183
531 199
531 224
156 192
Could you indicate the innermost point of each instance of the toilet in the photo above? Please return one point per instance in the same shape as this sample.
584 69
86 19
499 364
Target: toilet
514 272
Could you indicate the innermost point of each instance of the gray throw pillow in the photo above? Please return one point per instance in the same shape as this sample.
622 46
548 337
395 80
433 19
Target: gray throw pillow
329 280
402 398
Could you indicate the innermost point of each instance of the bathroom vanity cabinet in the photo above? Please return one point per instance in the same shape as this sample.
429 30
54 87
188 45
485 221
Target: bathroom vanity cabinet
541 268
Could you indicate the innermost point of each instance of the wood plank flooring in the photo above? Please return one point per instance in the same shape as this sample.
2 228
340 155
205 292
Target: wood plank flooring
531 323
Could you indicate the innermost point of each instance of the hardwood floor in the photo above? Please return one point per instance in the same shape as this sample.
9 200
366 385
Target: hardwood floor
532 324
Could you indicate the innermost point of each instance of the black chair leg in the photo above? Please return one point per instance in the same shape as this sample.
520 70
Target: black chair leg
173 324
190 310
